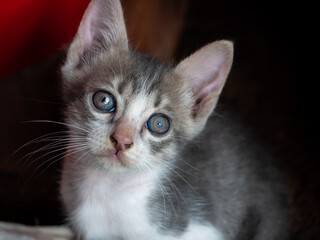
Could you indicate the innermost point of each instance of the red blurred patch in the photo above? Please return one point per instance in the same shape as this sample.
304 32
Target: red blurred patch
31 30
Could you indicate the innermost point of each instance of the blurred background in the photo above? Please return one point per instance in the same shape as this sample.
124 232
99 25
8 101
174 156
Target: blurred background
270 89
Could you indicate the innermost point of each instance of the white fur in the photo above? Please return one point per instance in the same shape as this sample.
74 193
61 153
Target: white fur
111 204
112 207
196 231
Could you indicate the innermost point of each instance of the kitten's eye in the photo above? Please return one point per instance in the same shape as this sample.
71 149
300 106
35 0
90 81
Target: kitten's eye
158 124
104 101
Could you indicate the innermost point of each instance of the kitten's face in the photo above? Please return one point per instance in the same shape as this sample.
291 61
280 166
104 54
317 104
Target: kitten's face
136 111
127 111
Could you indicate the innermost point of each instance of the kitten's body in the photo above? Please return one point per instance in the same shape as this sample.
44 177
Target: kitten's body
126 178
123 207
219 191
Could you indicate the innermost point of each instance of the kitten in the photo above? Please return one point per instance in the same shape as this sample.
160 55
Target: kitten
135 168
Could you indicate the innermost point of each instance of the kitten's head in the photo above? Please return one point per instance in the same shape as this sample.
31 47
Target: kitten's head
129 111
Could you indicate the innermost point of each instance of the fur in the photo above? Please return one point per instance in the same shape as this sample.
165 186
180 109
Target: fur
122 181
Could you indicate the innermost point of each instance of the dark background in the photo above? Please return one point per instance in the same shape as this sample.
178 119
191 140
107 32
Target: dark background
271 89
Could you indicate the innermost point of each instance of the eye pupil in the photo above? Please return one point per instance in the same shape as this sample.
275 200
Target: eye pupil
159 124
105 100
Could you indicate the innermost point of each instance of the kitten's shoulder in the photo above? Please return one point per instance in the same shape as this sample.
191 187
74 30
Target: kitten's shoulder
240 176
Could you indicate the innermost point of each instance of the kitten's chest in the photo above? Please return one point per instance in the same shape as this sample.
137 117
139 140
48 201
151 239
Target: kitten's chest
102 209
116 209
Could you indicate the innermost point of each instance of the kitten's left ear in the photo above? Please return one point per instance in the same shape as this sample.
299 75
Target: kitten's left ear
101 28
206 72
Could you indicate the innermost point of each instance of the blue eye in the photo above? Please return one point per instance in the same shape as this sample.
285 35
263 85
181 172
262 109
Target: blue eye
104 101
158 124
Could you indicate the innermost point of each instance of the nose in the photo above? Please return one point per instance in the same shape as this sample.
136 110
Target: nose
121 142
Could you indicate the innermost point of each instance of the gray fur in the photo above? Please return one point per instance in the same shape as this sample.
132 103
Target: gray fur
210 173
221 176
225 178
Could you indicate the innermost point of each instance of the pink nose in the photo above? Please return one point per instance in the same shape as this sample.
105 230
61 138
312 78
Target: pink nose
121 142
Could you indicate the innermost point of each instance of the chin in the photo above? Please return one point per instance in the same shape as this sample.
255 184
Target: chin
117 164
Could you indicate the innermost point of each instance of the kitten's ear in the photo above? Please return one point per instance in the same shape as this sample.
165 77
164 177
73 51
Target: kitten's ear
102 26
206 72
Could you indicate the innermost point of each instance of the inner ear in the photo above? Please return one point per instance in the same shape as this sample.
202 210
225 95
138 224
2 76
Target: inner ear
103 25
205 72
101 28
203 106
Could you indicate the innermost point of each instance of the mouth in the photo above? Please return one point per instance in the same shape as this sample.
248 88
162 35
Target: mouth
113 157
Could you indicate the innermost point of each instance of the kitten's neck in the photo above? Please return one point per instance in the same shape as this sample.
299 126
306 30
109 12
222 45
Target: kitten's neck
128 178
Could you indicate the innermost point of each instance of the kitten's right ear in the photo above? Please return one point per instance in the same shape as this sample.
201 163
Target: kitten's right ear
205 73
102 26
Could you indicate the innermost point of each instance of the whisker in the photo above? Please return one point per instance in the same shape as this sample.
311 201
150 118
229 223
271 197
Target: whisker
59 157
43 138
59 123
43 101
35 141
78 159
62 140
166 195
63 155
56 150
187 163
171 167
177 189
